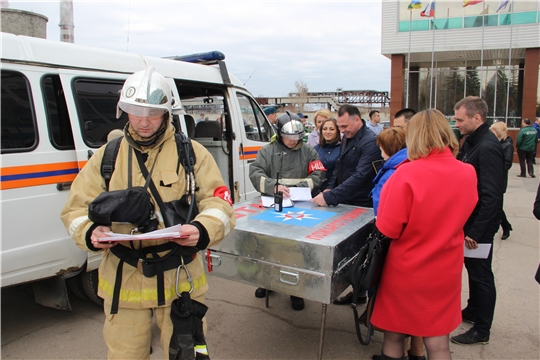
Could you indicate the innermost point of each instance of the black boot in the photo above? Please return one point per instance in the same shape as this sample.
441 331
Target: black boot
506 231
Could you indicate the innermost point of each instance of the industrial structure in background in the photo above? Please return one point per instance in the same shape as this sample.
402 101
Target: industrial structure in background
21 22
66 21
333 100
27 23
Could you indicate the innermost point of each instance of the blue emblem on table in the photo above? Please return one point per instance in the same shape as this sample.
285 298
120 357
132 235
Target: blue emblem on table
295 216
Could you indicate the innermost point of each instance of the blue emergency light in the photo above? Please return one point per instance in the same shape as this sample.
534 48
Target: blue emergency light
202 58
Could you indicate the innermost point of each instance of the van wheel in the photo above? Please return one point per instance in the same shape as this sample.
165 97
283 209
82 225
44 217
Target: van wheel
75 285
90 286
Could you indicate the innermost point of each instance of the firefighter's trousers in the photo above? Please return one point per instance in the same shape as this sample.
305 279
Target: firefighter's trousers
128 334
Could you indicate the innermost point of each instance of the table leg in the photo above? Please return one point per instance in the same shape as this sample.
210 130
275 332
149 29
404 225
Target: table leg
323 326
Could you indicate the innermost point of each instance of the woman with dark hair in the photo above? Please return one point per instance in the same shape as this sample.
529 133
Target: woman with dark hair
394 151
420 289
328 147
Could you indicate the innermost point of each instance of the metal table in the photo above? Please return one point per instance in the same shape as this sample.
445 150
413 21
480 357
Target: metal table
299 251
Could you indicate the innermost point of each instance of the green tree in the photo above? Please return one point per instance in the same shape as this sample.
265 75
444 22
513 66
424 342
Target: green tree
473 81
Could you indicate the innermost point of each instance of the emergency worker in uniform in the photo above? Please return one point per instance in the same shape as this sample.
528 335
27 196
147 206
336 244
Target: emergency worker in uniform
298 165
131 299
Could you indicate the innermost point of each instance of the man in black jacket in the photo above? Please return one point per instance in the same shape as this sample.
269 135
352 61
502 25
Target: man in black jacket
482 150
352 180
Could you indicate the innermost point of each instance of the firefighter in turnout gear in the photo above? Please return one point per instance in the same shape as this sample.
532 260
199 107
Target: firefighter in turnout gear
132 294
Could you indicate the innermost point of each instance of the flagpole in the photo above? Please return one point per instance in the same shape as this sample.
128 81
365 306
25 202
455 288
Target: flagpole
482 51
509 61
432 59
409 61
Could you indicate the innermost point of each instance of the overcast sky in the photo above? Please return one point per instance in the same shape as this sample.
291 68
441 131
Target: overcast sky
268 45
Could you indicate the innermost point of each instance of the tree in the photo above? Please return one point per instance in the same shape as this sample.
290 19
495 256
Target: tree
473 81
302 91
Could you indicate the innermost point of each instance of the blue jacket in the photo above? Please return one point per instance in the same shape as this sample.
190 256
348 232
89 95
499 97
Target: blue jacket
384 174
329 155
352 179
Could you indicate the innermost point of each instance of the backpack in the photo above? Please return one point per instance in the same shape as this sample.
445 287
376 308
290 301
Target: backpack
183 146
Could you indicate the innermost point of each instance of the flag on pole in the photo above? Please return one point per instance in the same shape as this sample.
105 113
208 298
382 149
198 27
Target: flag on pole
415 4
502 5
471 2
429 11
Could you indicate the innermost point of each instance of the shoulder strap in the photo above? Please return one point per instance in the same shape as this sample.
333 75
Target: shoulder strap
109 159
186 155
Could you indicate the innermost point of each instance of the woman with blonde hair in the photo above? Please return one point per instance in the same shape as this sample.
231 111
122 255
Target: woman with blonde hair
501 131
423 208
318 118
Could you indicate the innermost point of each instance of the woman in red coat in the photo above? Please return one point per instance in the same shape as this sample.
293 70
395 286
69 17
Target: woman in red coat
423 208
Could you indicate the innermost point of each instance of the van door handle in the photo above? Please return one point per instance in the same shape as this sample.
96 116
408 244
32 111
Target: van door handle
63 186
250 161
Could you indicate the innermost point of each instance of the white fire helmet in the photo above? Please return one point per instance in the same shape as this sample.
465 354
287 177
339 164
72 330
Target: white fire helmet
145 93
290 126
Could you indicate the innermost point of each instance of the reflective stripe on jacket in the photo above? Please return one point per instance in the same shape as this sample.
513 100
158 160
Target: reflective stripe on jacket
215 214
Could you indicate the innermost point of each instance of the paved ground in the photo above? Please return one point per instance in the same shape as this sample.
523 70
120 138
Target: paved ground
240 327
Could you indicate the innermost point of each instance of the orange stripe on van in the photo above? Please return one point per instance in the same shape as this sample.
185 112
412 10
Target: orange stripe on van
250 152
41 174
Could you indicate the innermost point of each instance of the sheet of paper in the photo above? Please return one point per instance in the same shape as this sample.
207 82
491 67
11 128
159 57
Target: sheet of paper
173 232
268 201
300 193
481 252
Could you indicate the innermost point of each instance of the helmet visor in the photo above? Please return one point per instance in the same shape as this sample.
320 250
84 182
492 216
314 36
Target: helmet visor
145 111
292 137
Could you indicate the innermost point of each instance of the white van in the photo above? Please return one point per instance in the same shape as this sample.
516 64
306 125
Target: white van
58 105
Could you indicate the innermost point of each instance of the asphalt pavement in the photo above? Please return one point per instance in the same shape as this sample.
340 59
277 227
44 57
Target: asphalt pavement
240 327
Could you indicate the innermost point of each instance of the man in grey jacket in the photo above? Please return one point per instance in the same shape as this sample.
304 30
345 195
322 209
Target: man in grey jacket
295 163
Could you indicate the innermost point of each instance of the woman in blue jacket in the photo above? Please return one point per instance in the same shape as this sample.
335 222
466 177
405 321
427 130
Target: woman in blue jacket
393 150
328 147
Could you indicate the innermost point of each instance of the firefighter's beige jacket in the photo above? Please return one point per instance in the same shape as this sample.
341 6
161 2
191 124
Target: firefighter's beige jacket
215 214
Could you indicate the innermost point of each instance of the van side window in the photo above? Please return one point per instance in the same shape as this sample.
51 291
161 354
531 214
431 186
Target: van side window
19 130
60 133
255 124
96 106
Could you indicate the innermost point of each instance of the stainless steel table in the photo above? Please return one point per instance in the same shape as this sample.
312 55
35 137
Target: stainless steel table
299 251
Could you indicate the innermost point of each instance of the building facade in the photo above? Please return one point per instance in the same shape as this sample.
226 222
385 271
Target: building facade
442 51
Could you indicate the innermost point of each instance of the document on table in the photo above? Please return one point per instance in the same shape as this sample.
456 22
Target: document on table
300 193
268 201
481 252
173 232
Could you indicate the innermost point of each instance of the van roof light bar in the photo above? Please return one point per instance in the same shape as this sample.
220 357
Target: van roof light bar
207 58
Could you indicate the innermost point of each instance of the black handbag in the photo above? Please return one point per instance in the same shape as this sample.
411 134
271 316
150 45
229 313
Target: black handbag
132 205
365 273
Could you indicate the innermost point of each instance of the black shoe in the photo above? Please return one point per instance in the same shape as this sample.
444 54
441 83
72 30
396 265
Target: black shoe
533 176
470 337
347 299
521 176
297 303
414 357
260 293
466 317
505 234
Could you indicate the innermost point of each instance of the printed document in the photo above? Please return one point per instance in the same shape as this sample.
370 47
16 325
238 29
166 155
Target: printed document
481 252
173 232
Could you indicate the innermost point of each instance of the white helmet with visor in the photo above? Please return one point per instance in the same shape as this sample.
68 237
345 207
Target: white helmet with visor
145 93
290 126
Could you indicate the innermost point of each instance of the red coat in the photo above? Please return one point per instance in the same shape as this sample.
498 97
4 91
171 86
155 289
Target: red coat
424 206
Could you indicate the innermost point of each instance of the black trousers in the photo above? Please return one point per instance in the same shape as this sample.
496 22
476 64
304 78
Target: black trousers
526 157
482 292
